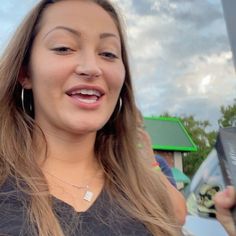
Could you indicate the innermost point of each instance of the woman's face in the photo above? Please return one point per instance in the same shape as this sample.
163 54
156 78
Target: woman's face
76 70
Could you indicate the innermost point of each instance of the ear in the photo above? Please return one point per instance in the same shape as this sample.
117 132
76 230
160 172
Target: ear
24 78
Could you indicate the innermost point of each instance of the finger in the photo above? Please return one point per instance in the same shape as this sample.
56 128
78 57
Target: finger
225 199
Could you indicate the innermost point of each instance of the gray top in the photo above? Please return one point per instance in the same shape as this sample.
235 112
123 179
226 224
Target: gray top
103 218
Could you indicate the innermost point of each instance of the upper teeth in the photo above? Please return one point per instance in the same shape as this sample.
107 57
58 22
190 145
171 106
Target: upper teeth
87 92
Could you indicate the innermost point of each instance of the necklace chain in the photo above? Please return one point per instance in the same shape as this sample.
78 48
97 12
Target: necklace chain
65 182
88 194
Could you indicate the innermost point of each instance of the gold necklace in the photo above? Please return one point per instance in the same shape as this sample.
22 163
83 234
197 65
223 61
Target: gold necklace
88 193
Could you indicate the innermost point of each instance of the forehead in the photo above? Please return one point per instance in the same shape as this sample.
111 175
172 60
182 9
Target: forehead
83 15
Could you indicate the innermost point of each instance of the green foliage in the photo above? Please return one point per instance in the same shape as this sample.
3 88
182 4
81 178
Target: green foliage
204 140
228 115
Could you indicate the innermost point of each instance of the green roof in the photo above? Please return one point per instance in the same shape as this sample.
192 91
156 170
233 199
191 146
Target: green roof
168 134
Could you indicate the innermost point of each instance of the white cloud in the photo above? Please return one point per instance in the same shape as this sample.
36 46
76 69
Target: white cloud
204 84
180 56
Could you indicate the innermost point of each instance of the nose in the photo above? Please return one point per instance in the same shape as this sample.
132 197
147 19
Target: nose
87 66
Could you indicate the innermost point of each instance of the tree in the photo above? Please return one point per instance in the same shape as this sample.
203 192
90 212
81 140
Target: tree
228 115
204 140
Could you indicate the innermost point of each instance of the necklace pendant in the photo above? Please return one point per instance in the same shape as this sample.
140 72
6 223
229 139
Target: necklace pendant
88 196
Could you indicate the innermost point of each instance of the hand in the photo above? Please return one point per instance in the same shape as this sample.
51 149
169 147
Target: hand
223 202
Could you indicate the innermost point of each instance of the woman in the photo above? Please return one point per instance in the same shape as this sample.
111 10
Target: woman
69 163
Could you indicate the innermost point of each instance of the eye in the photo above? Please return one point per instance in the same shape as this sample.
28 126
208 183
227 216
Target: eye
109 55
62 50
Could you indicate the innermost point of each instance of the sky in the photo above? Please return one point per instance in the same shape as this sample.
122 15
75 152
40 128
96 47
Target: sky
180 57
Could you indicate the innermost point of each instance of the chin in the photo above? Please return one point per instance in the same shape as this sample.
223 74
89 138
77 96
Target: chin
88 127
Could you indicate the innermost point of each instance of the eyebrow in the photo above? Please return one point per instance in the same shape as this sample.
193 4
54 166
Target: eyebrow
72 31
78 34
107 35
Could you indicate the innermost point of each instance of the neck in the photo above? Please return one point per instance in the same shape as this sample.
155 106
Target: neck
71 168
68 155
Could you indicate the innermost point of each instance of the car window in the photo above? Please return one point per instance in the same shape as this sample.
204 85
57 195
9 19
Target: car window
205 183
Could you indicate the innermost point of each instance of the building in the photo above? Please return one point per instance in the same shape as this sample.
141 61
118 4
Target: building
170 139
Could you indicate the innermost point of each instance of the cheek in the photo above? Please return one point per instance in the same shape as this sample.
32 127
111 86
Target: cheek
44 71
45 76
116 78
42 81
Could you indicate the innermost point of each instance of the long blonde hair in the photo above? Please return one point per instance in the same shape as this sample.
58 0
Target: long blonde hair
134 186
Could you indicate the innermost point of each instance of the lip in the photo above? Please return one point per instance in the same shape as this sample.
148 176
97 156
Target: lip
82 104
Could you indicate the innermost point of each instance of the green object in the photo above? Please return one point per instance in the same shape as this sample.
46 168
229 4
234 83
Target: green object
179 176
157 168
168 134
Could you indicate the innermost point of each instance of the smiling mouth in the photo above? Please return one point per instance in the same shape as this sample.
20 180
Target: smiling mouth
86 95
